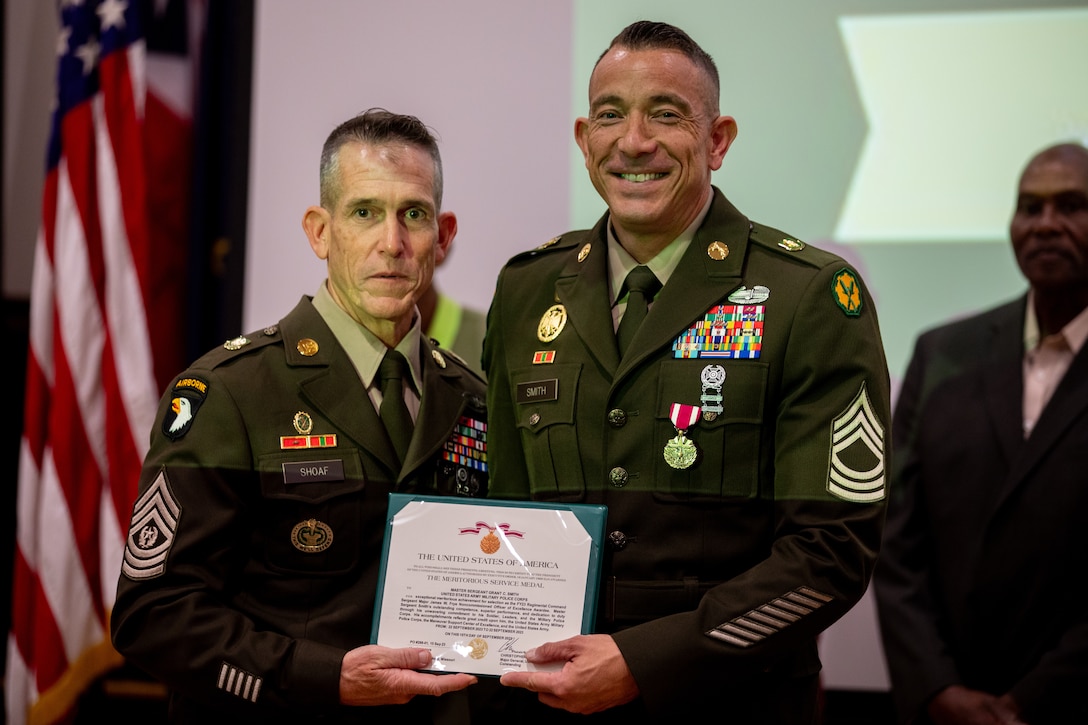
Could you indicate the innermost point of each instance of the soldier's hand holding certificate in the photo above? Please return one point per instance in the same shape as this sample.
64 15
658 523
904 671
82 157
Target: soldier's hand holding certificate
479 581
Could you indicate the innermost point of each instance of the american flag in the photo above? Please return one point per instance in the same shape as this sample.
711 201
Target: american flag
112 234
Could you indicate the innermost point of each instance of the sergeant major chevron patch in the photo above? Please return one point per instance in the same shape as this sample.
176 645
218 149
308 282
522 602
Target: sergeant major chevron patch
151 532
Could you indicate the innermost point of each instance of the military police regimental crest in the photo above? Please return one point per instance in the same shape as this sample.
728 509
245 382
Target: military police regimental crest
551 323
311 536
303 423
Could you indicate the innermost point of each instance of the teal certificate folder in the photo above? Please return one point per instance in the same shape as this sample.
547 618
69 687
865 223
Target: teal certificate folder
480 581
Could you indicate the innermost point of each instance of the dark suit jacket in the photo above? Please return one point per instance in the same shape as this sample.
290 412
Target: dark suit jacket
252 561
717 577
982 580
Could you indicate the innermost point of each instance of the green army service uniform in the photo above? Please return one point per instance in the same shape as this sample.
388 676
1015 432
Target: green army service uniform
719 573
253 554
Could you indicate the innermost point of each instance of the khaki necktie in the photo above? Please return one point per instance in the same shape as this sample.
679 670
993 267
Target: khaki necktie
641 285
393 410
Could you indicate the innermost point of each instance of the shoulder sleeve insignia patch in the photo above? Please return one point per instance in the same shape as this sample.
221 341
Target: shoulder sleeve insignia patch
856 468
155 517
847 291
189 393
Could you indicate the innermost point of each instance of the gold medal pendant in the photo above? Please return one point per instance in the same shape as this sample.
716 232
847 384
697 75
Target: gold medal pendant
490 543
680 452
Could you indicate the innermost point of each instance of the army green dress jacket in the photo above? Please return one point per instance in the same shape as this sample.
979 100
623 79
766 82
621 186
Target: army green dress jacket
253 552
719 572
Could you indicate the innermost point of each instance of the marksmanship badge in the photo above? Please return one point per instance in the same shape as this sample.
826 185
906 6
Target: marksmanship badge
712 378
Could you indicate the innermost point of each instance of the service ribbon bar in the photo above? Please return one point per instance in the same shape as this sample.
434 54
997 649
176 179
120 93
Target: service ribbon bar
321 441
468 444
726 331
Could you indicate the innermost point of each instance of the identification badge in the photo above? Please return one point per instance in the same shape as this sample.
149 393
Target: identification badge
537 391
313 471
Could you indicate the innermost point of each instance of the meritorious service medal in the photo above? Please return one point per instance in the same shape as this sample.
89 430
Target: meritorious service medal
680 452
490 543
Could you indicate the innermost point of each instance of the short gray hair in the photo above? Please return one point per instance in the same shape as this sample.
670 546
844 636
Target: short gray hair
376 127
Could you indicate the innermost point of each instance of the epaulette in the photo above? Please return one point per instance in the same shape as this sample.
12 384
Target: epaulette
782 243
238 346
555 244
441 355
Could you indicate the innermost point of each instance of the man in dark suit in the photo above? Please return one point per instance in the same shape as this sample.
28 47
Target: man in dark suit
981 589
737 438
249 575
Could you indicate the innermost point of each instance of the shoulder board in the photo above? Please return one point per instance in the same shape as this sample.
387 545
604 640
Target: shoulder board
238 346
555 244
782 243
445 357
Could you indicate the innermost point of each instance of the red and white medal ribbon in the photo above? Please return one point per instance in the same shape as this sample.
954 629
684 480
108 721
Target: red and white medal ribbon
683 416
680 452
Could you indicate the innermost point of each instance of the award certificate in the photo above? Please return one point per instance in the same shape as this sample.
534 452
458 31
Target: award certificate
480 581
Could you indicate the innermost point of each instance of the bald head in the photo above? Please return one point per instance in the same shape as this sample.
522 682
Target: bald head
1072 155
1049 232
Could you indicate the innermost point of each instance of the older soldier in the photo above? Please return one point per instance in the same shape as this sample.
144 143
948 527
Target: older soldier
250 572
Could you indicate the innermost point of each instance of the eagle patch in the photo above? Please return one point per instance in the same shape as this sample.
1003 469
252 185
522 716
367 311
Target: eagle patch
189 394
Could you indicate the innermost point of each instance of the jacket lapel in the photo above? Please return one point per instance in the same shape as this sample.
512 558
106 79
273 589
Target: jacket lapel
1065 409
1003 382
440 410
583 289
329 381
699 281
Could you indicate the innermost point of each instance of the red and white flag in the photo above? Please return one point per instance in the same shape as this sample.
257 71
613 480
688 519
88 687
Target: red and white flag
116 183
